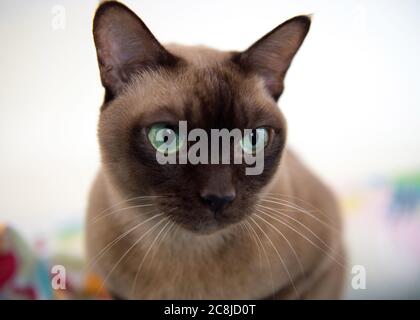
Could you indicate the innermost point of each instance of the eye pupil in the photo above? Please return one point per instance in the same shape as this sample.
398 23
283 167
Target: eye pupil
255 140
169 136
164 138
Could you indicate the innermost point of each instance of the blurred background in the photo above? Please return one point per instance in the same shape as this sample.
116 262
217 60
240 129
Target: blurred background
352 101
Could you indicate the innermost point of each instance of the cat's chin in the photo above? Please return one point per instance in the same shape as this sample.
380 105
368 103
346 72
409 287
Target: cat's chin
208 227
204 228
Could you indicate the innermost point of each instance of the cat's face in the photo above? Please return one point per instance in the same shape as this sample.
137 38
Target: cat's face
148 85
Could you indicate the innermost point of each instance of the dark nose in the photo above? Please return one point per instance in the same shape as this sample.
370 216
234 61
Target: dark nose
217 202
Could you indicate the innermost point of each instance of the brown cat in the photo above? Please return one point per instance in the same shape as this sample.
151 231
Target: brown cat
204 230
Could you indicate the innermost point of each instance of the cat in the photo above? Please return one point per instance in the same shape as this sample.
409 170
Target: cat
204 231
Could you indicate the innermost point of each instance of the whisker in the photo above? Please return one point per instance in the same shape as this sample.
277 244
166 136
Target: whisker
131 199
303 236
265 254
129 249
287 241
116 240
302 210
280 257
252 236
282 196
119 210
148 251
298 222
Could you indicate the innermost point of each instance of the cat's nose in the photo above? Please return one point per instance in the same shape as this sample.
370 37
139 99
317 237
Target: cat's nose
217 203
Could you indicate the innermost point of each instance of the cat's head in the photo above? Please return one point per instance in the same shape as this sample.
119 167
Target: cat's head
150 88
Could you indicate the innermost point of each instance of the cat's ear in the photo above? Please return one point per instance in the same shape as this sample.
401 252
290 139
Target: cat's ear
124 46
270 57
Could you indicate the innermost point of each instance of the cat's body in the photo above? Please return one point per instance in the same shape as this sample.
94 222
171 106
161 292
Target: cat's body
280 237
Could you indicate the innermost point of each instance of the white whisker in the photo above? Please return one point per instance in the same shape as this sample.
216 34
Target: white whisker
129 199
279 256
252 236
265 254
119 210
287 241
303 236
281 196
148 251
298 222
116 240
293 206
129 249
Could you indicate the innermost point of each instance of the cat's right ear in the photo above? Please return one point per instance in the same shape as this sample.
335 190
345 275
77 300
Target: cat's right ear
271 56
124 47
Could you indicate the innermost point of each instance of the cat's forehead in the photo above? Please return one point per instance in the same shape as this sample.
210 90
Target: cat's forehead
198 55
207 91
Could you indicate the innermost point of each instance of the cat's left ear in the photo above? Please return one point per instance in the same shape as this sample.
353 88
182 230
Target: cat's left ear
271 56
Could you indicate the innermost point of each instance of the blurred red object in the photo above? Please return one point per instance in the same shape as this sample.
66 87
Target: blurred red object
8 268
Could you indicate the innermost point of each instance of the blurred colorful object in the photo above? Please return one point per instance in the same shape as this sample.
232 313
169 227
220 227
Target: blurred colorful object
383 234
25 275
22 274
406 194
66 248
392 204
404 210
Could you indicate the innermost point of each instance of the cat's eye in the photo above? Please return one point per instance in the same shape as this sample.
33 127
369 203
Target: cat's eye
165 139
255 141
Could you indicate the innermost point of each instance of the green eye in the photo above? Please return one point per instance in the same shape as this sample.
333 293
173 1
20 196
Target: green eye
255 141
165 139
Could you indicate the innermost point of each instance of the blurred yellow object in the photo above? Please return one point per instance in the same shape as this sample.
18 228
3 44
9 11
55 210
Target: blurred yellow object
94 287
